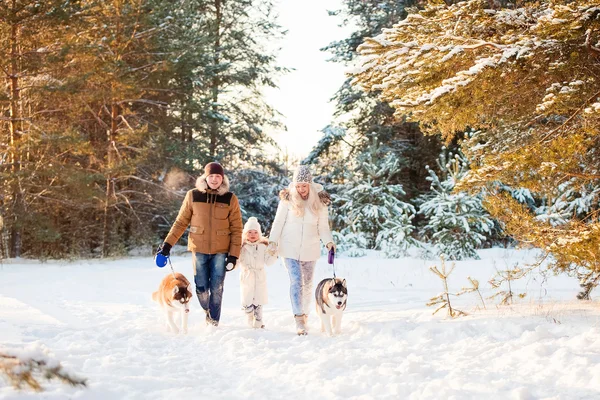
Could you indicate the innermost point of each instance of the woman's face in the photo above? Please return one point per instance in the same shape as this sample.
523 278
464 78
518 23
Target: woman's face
303 189
252 235
214 181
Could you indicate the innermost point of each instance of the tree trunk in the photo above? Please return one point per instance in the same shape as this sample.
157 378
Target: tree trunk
110 184
15 137
183 132
214 126
111 151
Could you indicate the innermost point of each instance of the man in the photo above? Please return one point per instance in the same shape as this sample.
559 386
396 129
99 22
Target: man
215 239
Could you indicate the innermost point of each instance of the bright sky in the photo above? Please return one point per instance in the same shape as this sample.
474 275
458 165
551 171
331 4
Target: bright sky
303 94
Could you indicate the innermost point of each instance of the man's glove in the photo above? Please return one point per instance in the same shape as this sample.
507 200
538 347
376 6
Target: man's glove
164 249
331 245
231 261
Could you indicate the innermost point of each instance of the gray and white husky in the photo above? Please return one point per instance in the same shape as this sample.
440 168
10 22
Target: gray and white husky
331 296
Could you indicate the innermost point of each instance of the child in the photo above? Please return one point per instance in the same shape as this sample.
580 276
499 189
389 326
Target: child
253 278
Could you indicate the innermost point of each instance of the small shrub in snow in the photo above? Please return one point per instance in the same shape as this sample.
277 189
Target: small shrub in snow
473 288
504 279
442 300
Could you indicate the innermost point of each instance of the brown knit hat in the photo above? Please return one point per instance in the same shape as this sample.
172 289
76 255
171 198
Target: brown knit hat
214 168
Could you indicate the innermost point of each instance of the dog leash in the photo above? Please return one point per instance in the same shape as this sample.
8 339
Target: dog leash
161 260
331 260
171 265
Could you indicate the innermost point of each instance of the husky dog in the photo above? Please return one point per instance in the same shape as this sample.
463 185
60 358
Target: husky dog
331 296
174 295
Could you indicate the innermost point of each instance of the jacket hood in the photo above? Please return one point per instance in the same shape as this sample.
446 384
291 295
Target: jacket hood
202 185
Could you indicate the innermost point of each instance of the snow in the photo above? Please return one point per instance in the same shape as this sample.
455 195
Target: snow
97 318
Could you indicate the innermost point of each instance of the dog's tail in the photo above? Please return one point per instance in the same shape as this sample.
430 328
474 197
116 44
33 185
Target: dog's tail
155 296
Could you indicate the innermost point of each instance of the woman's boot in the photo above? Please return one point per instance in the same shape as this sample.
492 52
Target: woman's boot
300 324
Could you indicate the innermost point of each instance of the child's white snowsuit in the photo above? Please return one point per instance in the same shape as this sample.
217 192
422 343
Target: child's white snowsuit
253 277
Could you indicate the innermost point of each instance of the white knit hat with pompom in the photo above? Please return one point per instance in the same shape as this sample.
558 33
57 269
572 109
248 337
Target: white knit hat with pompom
251 224
303 174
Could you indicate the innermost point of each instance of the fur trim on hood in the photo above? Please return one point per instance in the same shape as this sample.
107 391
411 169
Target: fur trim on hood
202 185
325 198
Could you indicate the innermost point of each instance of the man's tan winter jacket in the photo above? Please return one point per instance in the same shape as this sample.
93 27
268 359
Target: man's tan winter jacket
214 218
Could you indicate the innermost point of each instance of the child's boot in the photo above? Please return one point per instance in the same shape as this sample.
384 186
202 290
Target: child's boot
249 310
258 317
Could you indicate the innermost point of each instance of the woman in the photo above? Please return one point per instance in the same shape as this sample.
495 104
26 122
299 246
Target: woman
302 219
215 237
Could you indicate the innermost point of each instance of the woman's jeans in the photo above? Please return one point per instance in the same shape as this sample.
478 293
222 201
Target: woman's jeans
209 276
301 284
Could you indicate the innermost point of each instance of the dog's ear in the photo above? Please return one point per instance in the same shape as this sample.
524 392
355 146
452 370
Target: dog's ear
344 283
175 289
189 288
333 282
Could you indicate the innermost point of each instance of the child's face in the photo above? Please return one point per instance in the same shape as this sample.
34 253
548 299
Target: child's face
252 235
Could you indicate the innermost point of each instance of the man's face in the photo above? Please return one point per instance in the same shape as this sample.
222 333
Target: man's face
214 181
303 189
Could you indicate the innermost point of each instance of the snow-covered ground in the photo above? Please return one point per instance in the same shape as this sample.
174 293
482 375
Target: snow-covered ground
97 317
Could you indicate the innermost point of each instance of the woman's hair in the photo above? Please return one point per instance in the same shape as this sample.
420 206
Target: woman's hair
313 203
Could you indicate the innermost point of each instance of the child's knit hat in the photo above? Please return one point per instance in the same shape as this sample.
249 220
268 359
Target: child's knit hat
251 224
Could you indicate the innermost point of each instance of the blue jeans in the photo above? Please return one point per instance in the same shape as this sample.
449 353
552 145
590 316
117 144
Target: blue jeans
301 284
209 276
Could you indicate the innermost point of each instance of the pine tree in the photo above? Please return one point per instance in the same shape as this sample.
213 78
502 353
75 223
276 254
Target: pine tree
371 207
362 115
91 171
541 129
258 193
35 144
457 224
239 67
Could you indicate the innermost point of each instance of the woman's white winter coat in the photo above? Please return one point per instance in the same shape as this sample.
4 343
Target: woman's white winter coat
253 277
297 237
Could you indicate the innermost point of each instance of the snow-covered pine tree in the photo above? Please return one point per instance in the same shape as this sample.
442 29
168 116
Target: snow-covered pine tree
457 224
527 77
371 205
258 193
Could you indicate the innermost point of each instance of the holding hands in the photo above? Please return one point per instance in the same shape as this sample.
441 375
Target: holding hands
272 248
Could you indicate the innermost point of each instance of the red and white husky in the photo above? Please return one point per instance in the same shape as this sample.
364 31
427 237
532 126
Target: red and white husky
174 295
